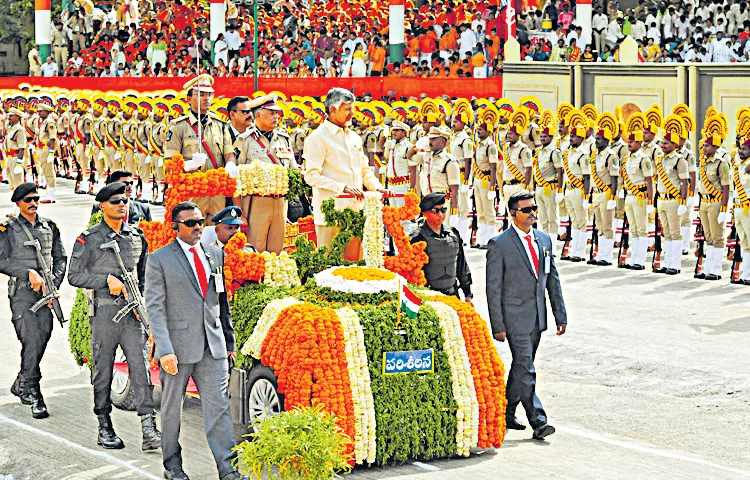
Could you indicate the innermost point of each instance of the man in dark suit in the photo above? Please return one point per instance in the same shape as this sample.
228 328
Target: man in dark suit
137 211
520 272
192 330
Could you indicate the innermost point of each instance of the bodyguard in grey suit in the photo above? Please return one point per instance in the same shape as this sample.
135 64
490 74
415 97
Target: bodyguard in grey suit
520 273
192 329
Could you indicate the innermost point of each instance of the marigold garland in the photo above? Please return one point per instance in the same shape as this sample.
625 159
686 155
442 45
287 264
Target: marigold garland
363 273
487 369
306 348
269 316
411 257
241 266
262 178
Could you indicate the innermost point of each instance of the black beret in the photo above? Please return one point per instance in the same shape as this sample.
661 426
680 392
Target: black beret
108 191
23 190
430 200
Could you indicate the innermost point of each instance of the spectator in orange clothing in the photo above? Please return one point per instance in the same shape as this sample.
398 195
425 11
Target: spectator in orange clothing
479 62
427 45
413 46
378 59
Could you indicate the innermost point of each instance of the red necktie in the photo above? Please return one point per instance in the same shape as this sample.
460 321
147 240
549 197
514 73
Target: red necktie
533 255
202 280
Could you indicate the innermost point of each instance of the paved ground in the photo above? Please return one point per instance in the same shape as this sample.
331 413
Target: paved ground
651 381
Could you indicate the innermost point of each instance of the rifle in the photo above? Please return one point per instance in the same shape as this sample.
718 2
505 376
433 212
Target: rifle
622 255
136 301
49 284
736 261
656 260
700 238
732 240
565 254
594 243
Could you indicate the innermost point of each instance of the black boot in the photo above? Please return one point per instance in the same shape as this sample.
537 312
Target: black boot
38 407
20 391
151 436
107 437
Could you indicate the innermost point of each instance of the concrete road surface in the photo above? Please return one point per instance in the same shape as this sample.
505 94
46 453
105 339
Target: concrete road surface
651 381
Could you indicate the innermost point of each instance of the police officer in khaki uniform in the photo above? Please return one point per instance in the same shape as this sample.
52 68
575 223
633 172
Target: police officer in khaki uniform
113 132
421 150
143 147
562 142
202 140
713 187
397 169
741 180
129 130
441 172
620 147
517 157
15 146
671 189
461 147
652 151
484 172
374 141
577 166
63 130
83 126
265 142
26 287
605 172
45 149
60 46
686 220
158 132
637 173
548 178
99 138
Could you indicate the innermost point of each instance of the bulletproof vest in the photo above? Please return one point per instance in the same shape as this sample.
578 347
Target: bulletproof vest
440 271
24 256
105 261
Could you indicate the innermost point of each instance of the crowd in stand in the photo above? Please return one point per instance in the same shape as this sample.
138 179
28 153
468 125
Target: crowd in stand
444 39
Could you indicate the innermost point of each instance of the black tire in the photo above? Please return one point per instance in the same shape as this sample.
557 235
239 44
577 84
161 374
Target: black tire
122 392
259 379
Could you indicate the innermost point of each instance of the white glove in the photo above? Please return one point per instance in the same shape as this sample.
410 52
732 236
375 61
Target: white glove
621 193
586 204
148 159
722 217
463 188
118 155
682 209
101 156
382 170
160 163
199 159
232 169
559 197
690 202
649 209
51 157
611 204
18 170
492 194
454 220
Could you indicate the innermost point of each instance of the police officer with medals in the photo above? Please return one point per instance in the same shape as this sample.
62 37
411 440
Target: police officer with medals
265 142
15 146
26 287
484 172
461 147
447 270
397 169
97 269
45 149
441 172
605 173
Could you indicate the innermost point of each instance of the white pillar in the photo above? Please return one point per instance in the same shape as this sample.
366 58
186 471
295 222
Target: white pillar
42 28
217 18
583 20
396 30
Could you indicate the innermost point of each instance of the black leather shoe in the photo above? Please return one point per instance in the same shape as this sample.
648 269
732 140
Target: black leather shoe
591 262
637 267
39 408
151 436
176 474
576 259
660 270
565 257
711 276
672 271
512 424
604 263
543 430
20 392
699 276
107 437
626 266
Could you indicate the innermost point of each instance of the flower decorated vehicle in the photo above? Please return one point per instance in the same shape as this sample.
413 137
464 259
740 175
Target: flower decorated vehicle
407 372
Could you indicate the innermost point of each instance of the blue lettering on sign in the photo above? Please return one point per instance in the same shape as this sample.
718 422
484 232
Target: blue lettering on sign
417 361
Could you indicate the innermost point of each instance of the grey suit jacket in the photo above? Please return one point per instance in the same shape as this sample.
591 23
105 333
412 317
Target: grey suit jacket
515 296
181 319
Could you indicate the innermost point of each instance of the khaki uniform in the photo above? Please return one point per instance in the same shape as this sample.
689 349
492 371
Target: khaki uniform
397 168
112 150
35 63
652 151
461 147
686 220
60 49
440 172
620 147
532 138
46 162
741 184
15 143
563 144
422 146
416 133
714 173
182 137
158 131
265 215
143 148
486 154
297 136
99 137
546 162
635 169
606 166
83 134
670 170
577 163
78 26
129 130
371 141
516 159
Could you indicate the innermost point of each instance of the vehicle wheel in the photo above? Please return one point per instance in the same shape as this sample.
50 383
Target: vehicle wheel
123 393
264 399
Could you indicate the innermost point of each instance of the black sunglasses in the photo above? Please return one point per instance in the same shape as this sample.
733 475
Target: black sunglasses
31 199
129 184
439 210
192 223
245 111
117 201
528 210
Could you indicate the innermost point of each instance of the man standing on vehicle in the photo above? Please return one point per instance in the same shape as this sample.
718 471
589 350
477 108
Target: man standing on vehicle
98 269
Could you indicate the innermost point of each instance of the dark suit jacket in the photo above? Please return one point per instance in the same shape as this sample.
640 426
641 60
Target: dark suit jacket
515 296
182 321
137 211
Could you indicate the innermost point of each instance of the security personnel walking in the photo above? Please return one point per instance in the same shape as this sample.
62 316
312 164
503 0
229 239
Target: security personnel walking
97 269
265 142
26 287
200 137
447 270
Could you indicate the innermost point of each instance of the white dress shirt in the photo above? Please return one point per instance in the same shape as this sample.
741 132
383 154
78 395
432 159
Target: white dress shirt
191 259
600 22
522 235
233 40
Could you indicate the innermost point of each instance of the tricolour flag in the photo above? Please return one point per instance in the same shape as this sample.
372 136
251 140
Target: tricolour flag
409 302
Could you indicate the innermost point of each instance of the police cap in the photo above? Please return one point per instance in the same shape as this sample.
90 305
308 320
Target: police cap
23 190
114 188
228 216
431 200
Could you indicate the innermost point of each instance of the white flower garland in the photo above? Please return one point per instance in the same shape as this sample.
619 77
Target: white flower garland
262 178
467 415
340 284
365 446
373 236
281 270
254 344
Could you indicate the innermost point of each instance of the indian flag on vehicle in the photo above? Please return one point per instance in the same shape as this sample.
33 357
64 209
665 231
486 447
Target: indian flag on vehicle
409 302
